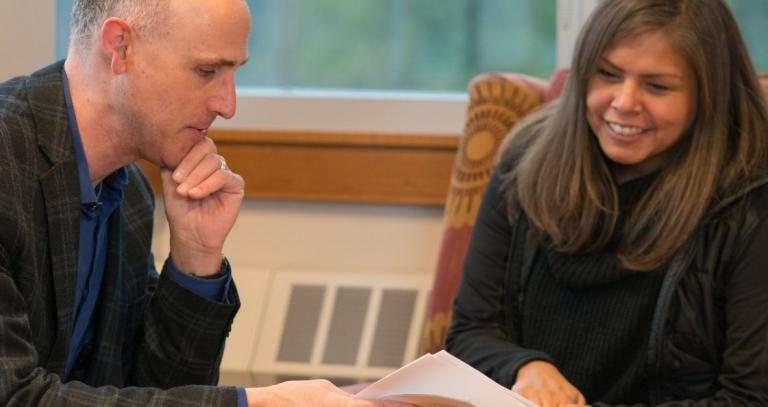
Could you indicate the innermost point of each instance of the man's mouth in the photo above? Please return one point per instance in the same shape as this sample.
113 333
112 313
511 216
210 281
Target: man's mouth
202 131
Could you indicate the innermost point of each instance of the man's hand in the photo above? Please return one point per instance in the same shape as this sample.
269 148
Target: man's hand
543 384
316 393
202 199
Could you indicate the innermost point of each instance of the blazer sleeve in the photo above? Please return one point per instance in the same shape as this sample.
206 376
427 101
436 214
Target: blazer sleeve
183 335
482 332
24 382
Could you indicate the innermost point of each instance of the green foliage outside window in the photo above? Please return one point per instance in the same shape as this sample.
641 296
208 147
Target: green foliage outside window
752 16
397 44
413 45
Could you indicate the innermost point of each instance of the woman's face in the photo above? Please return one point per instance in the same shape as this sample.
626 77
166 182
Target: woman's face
640 102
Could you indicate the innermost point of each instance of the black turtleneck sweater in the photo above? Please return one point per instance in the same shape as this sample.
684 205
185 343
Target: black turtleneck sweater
592 317
584 313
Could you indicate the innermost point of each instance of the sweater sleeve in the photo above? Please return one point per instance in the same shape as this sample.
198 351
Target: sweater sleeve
481 332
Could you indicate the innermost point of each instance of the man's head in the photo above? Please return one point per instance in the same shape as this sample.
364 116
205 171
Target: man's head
165 79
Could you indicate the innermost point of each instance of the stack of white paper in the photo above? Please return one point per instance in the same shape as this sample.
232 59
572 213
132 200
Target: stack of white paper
442 380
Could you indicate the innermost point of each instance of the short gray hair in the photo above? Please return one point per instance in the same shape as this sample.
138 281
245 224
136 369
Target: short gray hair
88 15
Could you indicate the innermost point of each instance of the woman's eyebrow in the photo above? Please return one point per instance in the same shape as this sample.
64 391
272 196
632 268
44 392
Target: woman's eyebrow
611 65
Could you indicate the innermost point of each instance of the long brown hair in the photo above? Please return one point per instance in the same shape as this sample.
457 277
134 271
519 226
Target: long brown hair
562 181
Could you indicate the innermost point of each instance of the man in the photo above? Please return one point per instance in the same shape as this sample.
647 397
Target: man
84 317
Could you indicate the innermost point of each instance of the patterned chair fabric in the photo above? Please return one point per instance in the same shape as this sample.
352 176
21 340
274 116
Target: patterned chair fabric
496 103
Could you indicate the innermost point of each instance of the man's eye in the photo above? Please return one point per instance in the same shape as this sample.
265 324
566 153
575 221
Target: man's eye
206 71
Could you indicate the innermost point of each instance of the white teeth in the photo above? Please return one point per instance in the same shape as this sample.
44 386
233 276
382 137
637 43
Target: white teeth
625 130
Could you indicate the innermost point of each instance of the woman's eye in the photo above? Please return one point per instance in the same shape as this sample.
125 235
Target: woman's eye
605 73
658 87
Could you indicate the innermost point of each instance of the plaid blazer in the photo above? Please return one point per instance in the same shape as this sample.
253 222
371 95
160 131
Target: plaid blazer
155 343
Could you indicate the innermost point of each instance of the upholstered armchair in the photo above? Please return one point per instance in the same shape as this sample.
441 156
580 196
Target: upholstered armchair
497 101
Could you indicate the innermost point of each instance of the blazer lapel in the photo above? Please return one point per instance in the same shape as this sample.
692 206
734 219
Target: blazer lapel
61 193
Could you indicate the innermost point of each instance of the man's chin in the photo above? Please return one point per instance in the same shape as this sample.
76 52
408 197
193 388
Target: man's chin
162 163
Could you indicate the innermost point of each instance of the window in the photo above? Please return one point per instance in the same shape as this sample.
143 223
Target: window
433 45
752 16
428 45
400 45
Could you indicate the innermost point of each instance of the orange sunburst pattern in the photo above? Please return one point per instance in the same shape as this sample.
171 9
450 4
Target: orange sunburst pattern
496 105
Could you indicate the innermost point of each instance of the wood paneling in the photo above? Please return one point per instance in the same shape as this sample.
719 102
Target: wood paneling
347 167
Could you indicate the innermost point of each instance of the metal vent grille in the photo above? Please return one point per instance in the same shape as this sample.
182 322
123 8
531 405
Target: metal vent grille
364 327
346 328
301 323
392 327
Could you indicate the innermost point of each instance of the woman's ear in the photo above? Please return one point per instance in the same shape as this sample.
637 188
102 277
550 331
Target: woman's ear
115 43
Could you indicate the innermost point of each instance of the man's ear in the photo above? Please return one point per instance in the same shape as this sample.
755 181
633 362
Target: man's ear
116 37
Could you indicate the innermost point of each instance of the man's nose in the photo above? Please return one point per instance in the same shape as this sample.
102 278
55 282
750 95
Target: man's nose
224 102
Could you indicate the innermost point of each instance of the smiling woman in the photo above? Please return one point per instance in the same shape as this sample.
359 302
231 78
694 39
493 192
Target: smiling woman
643 189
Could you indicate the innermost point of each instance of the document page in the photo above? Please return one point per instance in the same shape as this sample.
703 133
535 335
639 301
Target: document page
442 380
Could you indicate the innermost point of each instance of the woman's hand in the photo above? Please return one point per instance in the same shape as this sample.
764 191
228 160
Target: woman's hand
543 384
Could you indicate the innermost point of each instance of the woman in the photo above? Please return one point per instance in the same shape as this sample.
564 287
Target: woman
621 252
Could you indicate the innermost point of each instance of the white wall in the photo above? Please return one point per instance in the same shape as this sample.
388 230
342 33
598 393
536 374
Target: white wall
329 236
271 237
27 30
571 15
